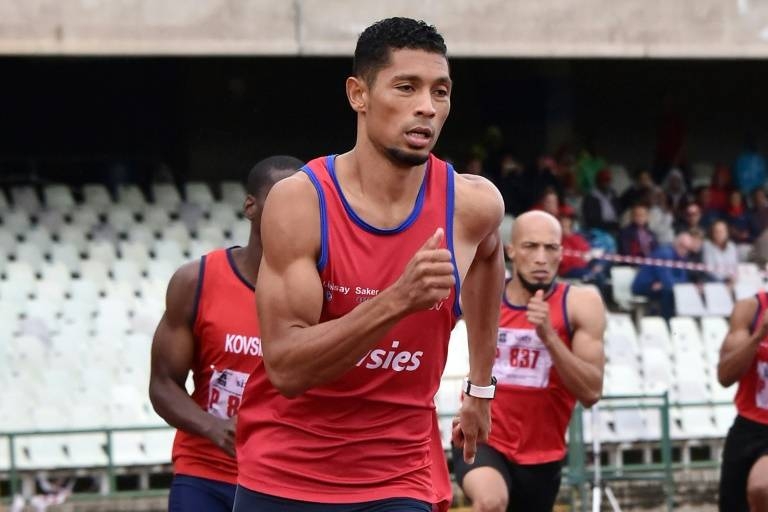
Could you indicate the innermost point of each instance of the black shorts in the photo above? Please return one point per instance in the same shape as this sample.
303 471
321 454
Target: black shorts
252 501
746 442
532 487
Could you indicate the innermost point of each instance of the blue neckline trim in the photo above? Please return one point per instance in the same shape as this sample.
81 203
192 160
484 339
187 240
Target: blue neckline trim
322 260
757 313
330 164
236 270
449 213
198 291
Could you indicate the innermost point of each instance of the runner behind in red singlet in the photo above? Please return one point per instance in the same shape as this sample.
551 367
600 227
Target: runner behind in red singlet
549 354
744 359
210 327
365 257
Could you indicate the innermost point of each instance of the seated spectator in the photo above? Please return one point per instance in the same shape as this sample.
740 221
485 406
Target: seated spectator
719 253
758 214
600 209
657 282
708 214
660 218
720 189
750 168
677 193
636 239
696 255
572 266
548 202
638 192
692 219
738 219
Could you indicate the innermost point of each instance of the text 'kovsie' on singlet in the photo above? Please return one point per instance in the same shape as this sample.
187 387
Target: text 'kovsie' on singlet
365 436
227 351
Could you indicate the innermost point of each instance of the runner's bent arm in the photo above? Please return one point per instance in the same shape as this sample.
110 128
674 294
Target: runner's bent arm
581 367
740 346
479 212
173 349
299 352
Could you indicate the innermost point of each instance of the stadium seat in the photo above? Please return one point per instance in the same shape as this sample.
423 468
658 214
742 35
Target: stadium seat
8 241
686 341
177 232
85 450
25 198
128 449
131 197
39 237
74 235
232 193
240 232
16 221
157 446
102 251
52 220
621 284
718 299
744 288
126 270
657 370
212 234
621 339
121 218
96 196
155 217
51 289
31 255
65 254
222 215
654 333
136 251
58 197
688 300
94 271
197 192
169 251
724 416
3 202
198 248
85 216
166 195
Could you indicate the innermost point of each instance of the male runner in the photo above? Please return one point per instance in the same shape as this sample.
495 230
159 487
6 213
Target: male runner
744 358
210 328
549 354
365 257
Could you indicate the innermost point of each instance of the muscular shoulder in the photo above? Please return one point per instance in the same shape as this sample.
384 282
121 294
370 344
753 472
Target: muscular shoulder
479 205
180 297
744 313
290 222
585 306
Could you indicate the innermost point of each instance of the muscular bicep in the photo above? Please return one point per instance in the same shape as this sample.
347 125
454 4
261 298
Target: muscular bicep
589 327
173 345
289 291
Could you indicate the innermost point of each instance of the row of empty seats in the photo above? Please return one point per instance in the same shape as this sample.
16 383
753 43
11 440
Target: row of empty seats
61 197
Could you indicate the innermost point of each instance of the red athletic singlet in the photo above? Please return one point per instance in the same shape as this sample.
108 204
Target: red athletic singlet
227 351
532 408
369 434
752 396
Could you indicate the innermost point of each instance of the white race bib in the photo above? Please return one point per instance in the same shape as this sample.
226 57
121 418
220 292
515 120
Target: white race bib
225 392
761 391
521 359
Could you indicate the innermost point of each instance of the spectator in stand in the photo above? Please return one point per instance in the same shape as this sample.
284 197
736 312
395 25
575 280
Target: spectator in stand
637 192
758 214
588 165
696 255
692 219
544 178
719 253
660 218
636 239
572 266
720 189
513 185
657 282
703 199
738 219
600 209
548 202
677 192
750 170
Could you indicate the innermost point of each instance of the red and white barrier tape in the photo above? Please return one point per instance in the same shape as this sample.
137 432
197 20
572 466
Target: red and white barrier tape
655 262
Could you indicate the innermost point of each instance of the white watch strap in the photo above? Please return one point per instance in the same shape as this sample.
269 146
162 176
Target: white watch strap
479 391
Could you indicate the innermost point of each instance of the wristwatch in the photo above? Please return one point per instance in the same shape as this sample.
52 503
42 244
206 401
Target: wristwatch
480 391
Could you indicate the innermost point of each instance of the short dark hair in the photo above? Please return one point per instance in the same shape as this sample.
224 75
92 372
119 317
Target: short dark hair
376 42
261 173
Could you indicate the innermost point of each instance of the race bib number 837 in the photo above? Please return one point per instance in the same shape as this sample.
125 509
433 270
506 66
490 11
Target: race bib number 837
521 359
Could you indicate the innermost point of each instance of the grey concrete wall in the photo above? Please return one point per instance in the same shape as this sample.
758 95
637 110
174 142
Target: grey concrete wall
504 28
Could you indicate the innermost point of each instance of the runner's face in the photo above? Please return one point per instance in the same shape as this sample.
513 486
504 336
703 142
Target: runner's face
407 104
536 251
